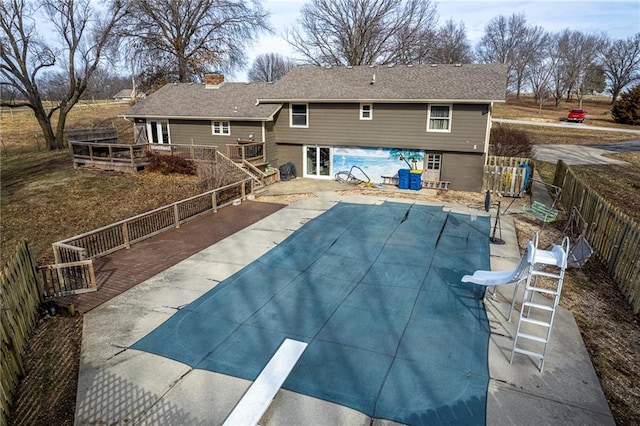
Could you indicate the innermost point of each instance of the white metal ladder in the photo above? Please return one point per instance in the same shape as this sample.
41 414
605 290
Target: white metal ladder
537 314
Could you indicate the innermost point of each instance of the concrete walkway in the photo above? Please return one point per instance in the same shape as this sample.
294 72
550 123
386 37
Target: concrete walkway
118 385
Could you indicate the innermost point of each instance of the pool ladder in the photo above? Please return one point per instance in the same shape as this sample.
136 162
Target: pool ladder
536 316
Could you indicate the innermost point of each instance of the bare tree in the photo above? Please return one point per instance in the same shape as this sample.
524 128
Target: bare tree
510 41
189 38
621 64
578 52
363 32
451 44
529 51
269 67
71 55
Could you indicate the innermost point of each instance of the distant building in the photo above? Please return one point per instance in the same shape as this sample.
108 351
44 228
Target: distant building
126 95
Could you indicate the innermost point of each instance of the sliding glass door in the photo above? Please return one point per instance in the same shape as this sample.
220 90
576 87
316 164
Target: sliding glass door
317 162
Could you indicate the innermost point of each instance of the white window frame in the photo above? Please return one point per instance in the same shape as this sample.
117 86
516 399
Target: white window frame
159 131
306 115
218 128
370 111
448 129
316 175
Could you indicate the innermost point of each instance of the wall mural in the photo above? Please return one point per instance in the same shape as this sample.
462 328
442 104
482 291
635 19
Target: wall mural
375 162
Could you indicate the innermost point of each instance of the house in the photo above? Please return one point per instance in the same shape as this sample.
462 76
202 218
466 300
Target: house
328 119
127 95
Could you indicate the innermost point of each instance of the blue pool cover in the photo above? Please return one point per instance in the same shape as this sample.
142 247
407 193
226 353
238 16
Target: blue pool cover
375 290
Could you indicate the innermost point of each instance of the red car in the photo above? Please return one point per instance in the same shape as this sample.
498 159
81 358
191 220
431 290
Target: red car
577 115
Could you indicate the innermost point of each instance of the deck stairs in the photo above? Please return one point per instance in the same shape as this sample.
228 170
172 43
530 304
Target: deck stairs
540 301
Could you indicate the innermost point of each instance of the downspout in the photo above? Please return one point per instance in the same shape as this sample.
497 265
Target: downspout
487 134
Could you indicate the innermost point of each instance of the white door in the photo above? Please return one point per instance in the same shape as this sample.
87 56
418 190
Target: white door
432 164
317 162
158 131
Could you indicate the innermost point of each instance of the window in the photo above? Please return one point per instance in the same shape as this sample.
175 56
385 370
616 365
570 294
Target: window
439 118
366 112
221 128
299 115
158 131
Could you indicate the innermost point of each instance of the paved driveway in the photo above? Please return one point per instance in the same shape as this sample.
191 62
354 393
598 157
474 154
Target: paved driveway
584 154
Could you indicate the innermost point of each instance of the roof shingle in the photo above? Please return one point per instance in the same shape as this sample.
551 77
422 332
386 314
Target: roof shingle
400 83
184 100
478 82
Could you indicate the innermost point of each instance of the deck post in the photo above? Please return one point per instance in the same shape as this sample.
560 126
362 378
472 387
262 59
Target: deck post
214 203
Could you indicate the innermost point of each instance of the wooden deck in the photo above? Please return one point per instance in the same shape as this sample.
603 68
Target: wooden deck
126 268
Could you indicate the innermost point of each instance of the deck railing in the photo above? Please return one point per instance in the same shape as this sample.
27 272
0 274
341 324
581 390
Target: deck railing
247 151
189 152
108 153
68 278
123 234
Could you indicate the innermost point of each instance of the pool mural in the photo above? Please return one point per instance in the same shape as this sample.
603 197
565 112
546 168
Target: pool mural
376 162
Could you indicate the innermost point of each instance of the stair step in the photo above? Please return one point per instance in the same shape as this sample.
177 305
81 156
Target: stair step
532 337
546 274
538 306
542 290
535 322
530 353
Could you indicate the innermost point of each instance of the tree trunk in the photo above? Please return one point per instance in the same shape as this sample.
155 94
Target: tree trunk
45 124
614 96
62 120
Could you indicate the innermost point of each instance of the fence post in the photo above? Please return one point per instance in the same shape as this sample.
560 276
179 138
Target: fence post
214 202
125 235
243 190
176 214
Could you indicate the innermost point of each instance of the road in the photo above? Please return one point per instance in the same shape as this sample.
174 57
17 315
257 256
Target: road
580 126
584 154
579 154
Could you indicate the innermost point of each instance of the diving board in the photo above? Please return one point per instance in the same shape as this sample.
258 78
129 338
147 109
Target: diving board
257 399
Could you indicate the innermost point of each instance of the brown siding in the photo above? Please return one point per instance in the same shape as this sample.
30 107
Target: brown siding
199 132
290 153
464 171
393 125
270 146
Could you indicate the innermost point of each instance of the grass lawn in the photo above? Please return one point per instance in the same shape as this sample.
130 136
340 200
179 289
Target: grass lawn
43 199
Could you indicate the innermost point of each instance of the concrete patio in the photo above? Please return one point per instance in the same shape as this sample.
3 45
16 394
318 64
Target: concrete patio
121 385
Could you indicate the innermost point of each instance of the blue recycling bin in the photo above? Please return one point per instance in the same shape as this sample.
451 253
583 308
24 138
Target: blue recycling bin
415 180
403 178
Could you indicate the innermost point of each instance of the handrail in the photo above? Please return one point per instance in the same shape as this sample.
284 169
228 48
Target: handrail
122 234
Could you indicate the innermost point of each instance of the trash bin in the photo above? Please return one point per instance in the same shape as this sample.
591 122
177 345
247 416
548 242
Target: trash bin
415 180
403 178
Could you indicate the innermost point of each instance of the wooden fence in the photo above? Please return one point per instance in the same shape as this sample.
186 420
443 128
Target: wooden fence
505 176
613 235
20 299
119 235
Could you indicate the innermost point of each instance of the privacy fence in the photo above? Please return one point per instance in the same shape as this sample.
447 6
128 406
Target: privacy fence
507 175
614 236
20 300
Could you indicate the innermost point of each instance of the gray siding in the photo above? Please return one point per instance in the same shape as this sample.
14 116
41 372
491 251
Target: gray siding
393 125
464 171
199 132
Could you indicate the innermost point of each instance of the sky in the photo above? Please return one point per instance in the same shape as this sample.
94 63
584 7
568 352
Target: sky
618 18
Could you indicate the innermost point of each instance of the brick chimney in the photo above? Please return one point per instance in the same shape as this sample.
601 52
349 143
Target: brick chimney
213 80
